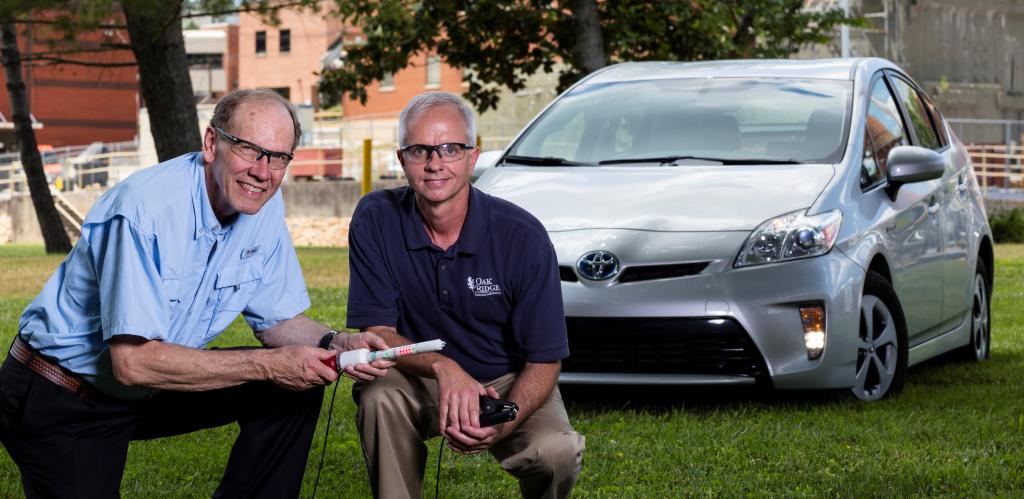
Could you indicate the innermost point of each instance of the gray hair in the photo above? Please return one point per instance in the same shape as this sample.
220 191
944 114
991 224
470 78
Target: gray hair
227 106
428 100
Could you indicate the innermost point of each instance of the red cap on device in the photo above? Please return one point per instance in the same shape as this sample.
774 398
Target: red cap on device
331 362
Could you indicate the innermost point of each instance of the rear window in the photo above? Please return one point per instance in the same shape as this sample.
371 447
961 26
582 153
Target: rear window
728 118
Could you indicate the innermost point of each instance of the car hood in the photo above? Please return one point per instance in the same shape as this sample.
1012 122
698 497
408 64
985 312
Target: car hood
685 198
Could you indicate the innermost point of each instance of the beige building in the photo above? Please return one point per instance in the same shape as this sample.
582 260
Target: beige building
285 57
212 52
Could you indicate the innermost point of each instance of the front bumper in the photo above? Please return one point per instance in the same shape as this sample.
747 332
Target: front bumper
720 326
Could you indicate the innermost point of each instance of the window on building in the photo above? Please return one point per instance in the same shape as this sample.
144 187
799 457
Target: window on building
285 92
387 82
261 42
433 71
205 61
286 41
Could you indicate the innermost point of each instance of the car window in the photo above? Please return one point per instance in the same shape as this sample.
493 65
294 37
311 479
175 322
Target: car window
884 125
726 118
917 113
936 117
870 172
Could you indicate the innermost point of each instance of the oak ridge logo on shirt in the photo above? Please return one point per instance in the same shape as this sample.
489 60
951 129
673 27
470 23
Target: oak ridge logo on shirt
482 286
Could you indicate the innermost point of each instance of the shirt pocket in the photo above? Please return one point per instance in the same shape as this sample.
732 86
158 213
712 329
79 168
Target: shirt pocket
174 292
233 289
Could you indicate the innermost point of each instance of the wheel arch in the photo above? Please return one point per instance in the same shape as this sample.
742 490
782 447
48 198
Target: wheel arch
880 265
986 254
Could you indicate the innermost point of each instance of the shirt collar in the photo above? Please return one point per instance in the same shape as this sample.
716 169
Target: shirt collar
202 210
473 228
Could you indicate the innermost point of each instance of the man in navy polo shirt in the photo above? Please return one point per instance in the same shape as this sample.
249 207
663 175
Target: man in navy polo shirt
442 260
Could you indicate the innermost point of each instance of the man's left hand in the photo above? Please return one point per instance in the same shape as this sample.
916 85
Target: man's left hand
476 439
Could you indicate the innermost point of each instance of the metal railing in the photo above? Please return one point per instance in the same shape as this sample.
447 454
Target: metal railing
998 166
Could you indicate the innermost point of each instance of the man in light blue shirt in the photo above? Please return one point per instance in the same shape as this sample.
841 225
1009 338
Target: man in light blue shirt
112 348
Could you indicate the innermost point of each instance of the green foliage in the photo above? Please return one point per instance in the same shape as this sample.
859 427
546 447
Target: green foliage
1007 225
503 41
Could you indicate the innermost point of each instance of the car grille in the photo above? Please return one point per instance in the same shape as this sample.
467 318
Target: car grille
651 272
636 273
666 345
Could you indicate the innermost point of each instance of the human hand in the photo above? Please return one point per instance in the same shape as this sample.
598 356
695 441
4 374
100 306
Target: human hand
458 397
344 342
299 367
362 372
475 439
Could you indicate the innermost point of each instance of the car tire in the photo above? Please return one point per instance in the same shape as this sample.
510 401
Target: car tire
979 346
882 351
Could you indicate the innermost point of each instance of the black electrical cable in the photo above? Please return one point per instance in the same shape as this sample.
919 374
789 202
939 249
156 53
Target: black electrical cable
437 481
327 433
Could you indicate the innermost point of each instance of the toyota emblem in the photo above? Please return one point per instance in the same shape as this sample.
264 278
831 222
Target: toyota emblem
598 265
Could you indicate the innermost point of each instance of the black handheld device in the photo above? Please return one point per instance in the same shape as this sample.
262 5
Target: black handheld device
495 411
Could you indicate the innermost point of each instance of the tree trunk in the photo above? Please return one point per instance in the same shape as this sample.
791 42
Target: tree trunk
54 235
588 48
155 30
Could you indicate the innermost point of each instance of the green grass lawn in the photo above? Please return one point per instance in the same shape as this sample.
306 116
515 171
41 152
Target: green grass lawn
956 430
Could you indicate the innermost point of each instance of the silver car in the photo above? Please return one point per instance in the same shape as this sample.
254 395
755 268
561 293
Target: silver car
800 224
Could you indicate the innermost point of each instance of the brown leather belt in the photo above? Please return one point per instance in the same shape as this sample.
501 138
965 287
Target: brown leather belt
48 369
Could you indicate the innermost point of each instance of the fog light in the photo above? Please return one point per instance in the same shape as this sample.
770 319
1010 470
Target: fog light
813 319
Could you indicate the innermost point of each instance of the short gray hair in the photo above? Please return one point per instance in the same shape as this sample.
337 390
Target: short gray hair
225 110
428 100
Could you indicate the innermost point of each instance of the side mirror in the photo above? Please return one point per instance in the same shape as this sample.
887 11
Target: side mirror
485 162
908 164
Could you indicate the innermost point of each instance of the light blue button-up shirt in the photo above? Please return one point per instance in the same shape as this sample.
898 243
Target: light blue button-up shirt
153 261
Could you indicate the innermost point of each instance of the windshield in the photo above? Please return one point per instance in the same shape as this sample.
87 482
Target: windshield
691 121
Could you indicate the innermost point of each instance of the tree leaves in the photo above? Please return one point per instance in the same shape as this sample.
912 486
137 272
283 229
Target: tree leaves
501 42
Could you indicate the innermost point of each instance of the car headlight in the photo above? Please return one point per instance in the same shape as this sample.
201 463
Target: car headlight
789 237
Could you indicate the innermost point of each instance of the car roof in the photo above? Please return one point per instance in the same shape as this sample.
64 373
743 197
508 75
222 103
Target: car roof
832 69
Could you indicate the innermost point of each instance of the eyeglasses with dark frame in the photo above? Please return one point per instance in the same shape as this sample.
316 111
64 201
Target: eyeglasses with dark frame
447 153
253 153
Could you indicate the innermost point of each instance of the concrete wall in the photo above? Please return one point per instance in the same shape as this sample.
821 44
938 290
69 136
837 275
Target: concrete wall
302 200
24 228
326 199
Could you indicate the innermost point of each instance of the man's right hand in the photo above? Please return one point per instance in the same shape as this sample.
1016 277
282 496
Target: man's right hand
299 367
458 395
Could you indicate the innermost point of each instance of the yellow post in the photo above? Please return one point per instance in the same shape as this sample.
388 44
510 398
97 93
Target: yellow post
367 166
479 142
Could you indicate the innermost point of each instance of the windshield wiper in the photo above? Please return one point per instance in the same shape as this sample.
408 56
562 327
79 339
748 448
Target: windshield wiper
542 161
672 160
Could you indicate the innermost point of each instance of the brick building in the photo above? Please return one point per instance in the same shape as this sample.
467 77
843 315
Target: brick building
378 118
285 57
75 104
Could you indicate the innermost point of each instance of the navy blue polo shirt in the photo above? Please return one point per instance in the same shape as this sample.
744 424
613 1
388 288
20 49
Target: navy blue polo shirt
494 296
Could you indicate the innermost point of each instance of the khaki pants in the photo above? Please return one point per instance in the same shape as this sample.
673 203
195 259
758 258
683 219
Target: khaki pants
398 412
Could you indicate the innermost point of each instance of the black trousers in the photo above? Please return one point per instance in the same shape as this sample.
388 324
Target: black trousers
66 446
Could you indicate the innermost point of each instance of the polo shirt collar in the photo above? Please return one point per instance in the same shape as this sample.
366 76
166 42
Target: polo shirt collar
474 228
202 210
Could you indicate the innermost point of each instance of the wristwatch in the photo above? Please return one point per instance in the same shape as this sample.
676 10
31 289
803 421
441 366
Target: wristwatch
328 337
